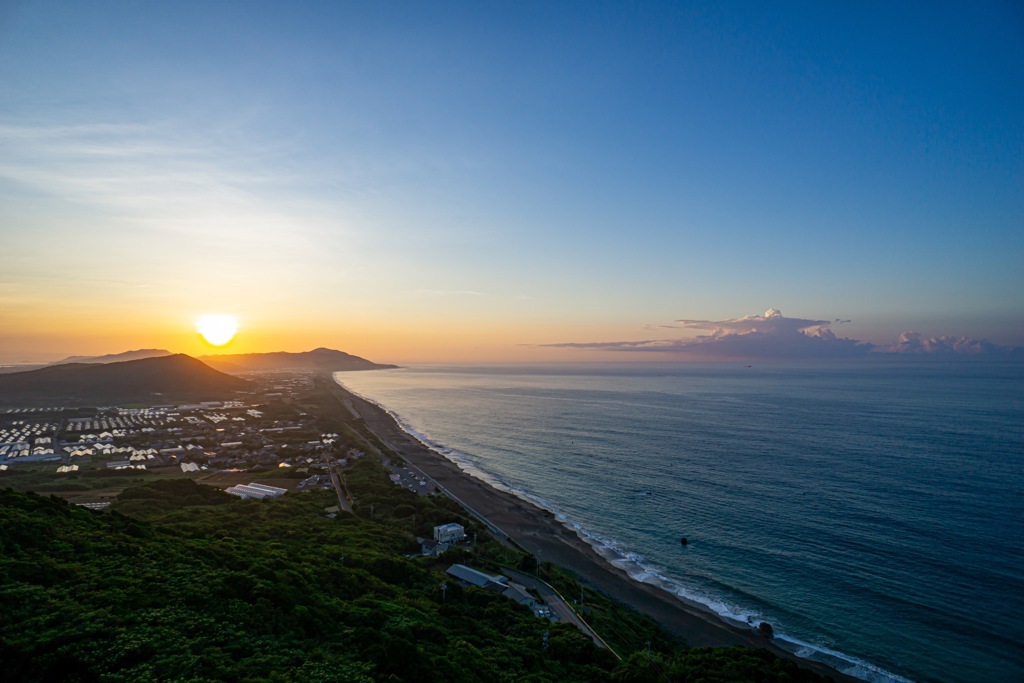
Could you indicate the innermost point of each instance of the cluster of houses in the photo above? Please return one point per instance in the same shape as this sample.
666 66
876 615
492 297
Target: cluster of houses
32 441
225 435
122 420
21 430
109 449
315 482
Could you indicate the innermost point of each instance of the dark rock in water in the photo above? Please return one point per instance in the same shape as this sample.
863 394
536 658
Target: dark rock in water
682 541
766 630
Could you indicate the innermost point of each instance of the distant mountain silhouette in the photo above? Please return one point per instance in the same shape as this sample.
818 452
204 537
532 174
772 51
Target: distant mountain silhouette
115 357
317 359
165 379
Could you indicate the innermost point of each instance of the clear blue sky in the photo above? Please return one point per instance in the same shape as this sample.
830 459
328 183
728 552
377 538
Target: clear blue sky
497 175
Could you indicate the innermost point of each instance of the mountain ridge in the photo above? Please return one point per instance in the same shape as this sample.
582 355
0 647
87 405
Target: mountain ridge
137 354
146 380
320 358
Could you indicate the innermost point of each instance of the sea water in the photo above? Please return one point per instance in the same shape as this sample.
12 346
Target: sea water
871 512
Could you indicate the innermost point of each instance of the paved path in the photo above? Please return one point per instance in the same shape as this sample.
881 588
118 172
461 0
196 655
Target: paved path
342 498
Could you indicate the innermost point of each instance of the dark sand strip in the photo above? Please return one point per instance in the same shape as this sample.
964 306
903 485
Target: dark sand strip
537 531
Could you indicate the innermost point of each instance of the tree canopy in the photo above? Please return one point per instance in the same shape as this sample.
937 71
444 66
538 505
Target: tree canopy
182 582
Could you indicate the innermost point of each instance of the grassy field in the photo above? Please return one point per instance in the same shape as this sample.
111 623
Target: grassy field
95 483
92 483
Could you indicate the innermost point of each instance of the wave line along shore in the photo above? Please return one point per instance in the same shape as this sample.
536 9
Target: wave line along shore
539 532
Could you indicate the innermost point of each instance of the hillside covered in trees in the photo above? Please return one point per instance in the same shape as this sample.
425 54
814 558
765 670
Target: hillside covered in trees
182 582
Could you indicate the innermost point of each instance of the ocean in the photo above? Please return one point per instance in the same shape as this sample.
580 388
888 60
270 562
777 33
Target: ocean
872 512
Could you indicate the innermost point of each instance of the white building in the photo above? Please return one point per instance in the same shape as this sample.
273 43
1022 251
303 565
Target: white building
254 490
449 533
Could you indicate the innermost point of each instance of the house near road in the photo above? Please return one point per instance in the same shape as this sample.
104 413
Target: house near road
444 536
431 548
519 594
449 533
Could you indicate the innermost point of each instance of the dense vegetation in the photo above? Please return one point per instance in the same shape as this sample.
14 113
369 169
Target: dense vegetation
182 582
199 586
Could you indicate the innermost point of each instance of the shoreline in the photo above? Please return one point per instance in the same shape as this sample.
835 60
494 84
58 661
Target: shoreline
540 532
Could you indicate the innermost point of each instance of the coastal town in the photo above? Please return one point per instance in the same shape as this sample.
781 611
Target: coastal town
259 446
88 454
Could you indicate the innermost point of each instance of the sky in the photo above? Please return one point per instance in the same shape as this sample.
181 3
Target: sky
527 181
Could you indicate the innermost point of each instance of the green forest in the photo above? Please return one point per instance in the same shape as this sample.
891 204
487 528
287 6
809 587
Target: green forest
177 581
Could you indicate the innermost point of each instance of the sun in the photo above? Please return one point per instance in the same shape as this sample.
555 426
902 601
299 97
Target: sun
217 329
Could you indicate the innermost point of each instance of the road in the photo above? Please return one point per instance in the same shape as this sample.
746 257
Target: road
339 489
432 485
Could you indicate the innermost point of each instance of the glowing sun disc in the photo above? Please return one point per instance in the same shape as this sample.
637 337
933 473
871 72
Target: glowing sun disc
217 329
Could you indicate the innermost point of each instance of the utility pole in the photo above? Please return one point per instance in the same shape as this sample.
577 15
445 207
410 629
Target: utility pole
444 592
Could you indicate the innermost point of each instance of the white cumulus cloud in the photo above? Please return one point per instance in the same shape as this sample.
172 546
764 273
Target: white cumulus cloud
770 335
773 335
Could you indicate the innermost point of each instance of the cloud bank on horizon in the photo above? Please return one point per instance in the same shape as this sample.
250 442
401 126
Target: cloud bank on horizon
773 335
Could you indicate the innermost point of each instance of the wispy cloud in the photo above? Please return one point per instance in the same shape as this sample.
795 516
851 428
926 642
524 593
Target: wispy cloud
130 167
448 292
167 188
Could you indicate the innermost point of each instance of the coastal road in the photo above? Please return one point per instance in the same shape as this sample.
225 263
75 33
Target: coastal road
432 484
421 485
342 498
417 483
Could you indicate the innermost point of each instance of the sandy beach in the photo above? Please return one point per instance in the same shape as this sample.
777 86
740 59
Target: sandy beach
539 532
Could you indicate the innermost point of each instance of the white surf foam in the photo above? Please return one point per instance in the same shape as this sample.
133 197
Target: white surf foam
634 565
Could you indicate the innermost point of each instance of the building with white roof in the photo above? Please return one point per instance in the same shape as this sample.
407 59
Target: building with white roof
449 533
253 490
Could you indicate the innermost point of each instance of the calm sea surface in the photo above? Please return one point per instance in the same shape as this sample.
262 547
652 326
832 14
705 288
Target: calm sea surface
873 513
